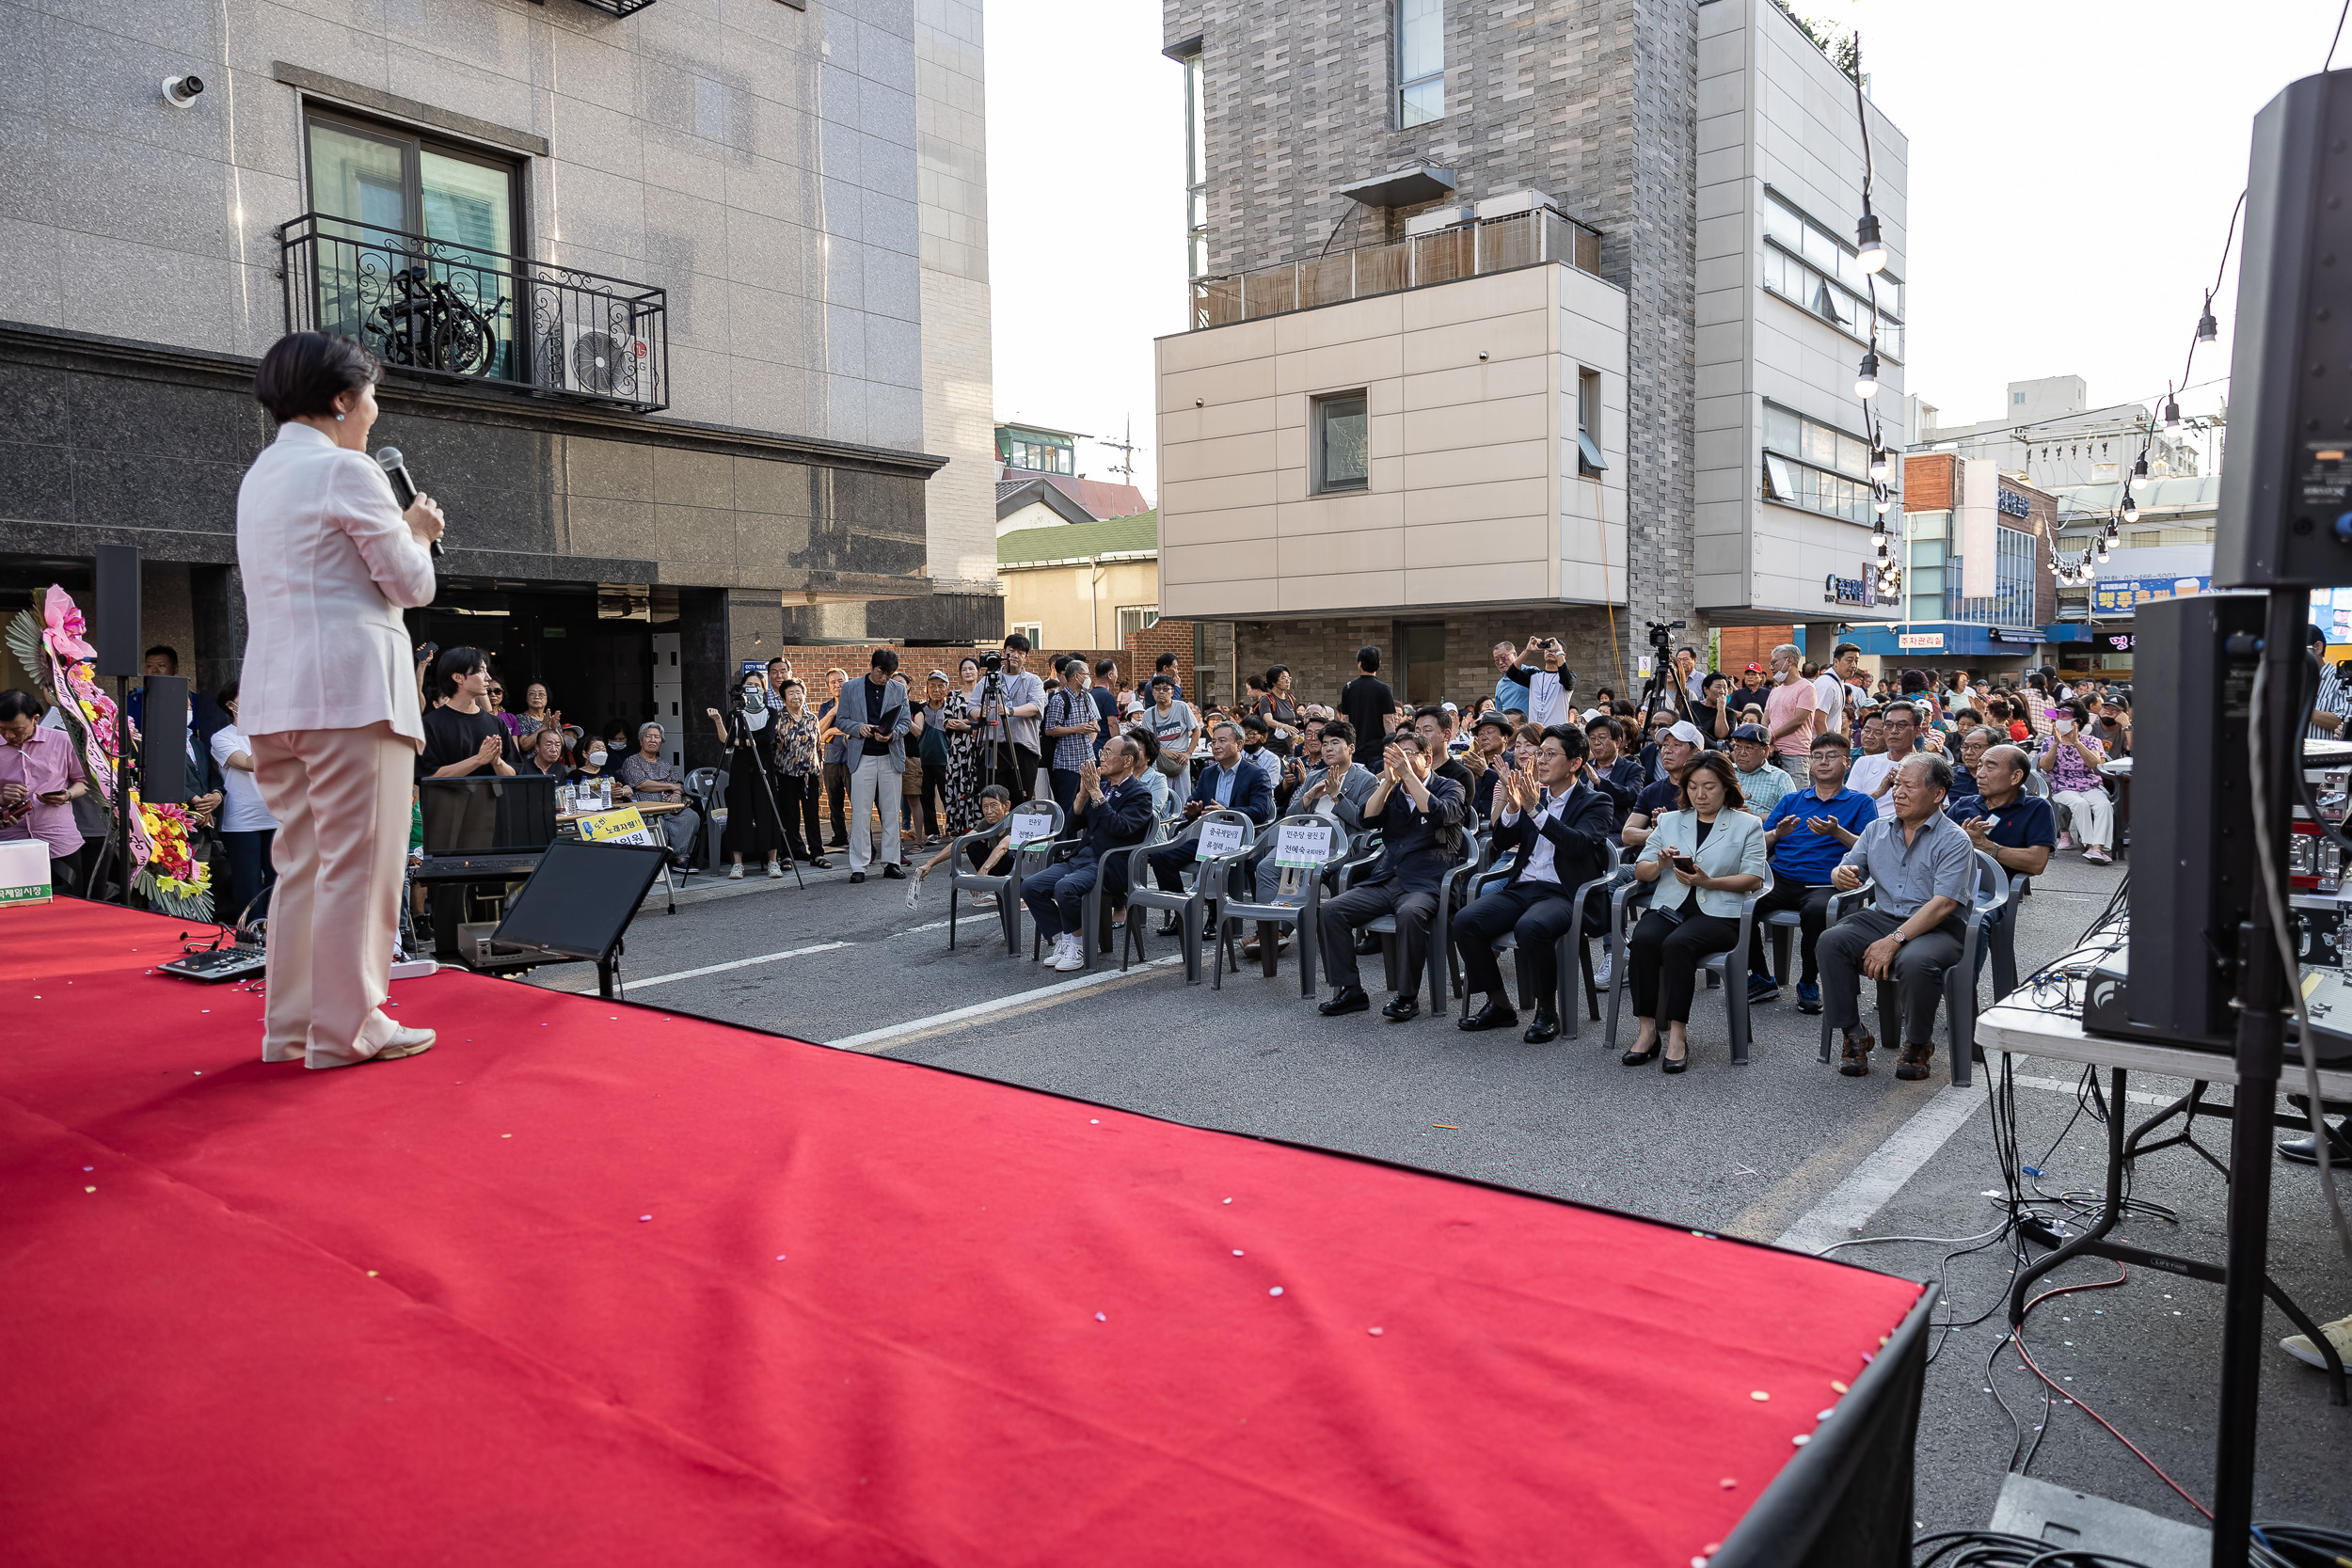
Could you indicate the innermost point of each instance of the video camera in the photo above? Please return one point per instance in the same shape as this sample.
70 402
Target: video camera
992 662
1662 634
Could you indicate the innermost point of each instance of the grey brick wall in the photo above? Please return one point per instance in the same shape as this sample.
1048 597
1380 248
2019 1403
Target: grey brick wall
1593 102
1322 653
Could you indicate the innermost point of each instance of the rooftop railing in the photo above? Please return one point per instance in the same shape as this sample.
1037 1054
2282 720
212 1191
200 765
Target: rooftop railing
445 311
1467 250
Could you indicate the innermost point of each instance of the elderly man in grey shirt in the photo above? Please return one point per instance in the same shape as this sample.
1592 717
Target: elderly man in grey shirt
1925 874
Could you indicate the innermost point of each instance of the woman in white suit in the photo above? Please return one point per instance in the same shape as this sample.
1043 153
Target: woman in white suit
1704 857
328 698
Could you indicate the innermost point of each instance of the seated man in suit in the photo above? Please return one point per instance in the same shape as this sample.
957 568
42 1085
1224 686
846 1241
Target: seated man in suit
1565 831
1335 790
1230 782
1420 817
1112 812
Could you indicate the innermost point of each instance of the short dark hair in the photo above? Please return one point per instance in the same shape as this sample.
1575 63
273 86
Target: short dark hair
1017 642
1844 648
1275 673
1158 681
1888 710
1146 743
1571 739
1339 729
167 650
997 792
1712 677
1718 765
779 659
1431 710
1939 770
456 662
886 660
16 703
1616 731
1165 661
303 372
1106 667
1834 741
1368 659
1255 724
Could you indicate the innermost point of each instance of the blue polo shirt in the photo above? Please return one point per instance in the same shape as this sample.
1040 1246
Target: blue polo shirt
1806 856
2022 824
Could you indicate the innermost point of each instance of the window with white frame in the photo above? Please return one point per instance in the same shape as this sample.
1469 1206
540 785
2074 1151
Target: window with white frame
1133 618
1419 62
1589 461
1817 467
1341 428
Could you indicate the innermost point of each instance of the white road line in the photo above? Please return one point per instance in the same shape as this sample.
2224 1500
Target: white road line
874 1039
1841 1215
629 985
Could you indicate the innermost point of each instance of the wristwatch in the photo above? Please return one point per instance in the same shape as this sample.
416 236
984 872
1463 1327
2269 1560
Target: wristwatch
1901 937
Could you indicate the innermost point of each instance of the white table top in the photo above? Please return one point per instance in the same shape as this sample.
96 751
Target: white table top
2030 1032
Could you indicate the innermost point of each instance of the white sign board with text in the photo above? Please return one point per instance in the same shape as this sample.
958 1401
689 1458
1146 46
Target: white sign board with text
1303 844
1220 838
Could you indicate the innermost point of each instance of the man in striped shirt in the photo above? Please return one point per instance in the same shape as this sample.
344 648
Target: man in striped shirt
2327 715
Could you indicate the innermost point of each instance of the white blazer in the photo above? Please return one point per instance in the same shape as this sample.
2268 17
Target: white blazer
328 566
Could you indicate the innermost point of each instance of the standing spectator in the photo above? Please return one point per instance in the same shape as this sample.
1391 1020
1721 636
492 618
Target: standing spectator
836 754
910 782
1420 819
1563 834
1803 830
1828 691
2070 762
1706 857
464 737
535 714
1165 665
779 670
1366 703
797 777
653 780
873 719
2016 829
495 694
1789 712
1761 783
1510 688
1171 723
753 817
963 790
937 747
1548 683
1069 729
1105 692
1924 870
2333 706
1712 712
1690 673
41 778
1013 723
247 826
1113 814
1280 712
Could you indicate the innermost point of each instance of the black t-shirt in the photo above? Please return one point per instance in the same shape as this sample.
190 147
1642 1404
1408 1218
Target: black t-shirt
1703 714
1459 774
1106 704
880 704
452 736
1365 701
1663 797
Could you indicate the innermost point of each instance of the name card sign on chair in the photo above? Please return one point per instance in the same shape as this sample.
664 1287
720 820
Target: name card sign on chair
1220 838
1303 844
1027 827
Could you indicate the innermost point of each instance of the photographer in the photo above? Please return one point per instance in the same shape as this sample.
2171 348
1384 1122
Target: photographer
1549 686
1013 701
754 823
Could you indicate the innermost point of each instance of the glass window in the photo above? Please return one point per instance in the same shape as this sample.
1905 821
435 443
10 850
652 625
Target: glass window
1341 430
1588 458
1928 524
1135 618
1420 61
1779 484
1784 225
1854 453
1780 429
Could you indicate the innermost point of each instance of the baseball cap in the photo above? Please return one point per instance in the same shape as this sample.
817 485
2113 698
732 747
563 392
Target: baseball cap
938 676
1687 733
1751 731
1449 708
1755 668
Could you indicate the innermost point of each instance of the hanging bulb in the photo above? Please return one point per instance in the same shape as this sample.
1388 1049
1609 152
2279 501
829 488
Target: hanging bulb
1878 463
1865 381
2171 414
2139 468
2102 555
1883 503
2131 508
1873 249
2207 329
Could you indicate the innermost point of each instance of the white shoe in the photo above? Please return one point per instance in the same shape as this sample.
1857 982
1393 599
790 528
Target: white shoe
734 872
2300 1347
1071 957
774 870
405 1042
1600 969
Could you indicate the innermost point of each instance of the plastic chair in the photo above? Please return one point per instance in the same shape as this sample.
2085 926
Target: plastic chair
1960 981
1732 965
2002 933
1572 943
1444 983
706 791
1634 896
1005 885
1303 885
1091 917
1193 906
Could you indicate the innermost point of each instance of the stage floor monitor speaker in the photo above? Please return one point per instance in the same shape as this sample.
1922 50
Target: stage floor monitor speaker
580 901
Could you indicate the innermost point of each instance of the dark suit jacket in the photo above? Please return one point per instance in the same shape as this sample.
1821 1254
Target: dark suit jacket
1253 792
1418 848
1122 820
1581 834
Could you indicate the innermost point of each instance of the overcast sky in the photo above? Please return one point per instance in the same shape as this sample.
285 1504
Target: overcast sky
2072 168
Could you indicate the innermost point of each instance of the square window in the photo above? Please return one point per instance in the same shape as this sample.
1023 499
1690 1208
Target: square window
1340 428
1779 485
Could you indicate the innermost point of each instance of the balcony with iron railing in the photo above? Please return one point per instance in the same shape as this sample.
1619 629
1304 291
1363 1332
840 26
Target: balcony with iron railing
1466 250
443 311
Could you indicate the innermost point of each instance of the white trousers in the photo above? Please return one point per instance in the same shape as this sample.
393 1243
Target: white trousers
872 779
2094 817
340 798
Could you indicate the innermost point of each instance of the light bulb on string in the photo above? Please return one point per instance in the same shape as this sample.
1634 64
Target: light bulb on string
1872 249
2171 414
1878 463
1865 381
2131 508
2208 329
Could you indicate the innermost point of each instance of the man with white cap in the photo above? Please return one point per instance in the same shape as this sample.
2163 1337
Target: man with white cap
1676 747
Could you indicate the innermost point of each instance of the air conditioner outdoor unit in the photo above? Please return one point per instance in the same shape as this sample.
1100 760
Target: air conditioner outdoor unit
595 360
1434 219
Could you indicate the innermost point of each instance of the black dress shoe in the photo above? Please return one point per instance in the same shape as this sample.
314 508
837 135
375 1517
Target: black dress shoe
1635 1058
2305 1151
1545 1029
1401 1009
1675 1064
1494 1015
857 876
891 871
1347 999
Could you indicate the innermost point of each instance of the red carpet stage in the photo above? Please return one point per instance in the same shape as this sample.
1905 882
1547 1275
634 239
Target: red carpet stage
596 1284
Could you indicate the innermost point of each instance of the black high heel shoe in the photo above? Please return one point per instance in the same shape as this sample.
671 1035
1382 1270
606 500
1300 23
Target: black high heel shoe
1675 1064
1636 1058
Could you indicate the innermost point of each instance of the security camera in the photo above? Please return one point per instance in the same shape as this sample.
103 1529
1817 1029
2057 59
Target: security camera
180 91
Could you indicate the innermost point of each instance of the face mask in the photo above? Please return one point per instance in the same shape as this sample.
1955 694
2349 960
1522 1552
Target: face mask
595 758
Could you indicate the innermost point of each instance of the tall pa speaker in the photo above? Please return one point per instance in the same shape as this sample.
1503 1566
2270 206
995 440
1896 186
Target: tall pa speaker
164 740
117 621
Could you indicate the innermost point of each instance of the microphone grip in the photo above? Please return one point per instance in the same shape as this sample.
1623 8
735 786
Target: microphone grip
405 492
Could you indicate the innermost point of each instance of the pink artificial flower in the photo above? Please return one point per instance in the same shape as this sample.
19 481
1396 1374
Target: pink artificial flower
65 629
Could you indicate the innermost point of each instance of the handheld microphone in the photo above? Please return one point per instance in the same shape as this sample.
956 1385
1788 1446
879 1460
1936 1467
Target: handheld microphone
404 489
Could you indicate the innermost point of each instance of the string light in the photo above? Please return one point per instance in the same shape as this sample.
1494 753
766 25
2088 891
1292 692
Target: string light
1872 249
2208 329
1878 463
1865 381
2171 413
2131 507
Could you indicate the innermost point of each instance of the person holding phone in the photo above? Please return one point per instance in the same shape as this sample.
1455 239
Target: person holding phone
1808 831
2070 762
1703 857
1550 684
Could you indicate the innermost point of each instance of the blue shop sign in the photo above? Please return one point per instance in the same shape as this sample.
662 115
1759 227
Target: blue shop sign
2118 595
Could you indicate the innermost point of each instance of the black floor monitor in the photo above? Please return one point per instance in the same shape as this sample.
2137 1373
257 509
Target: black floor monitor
581 899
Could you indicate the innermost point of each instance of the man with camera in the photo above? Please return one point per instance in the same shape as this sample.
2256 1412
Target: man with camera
1420 820
1550 684
1011 706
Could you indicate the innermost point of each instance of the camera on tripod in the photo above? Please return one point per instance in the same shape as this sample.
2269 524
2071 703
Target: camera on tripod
1661 633
992 662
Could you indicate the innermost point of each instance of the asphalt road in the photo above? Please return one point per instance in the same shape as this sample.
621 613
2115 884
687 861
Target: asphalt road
1757 1151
